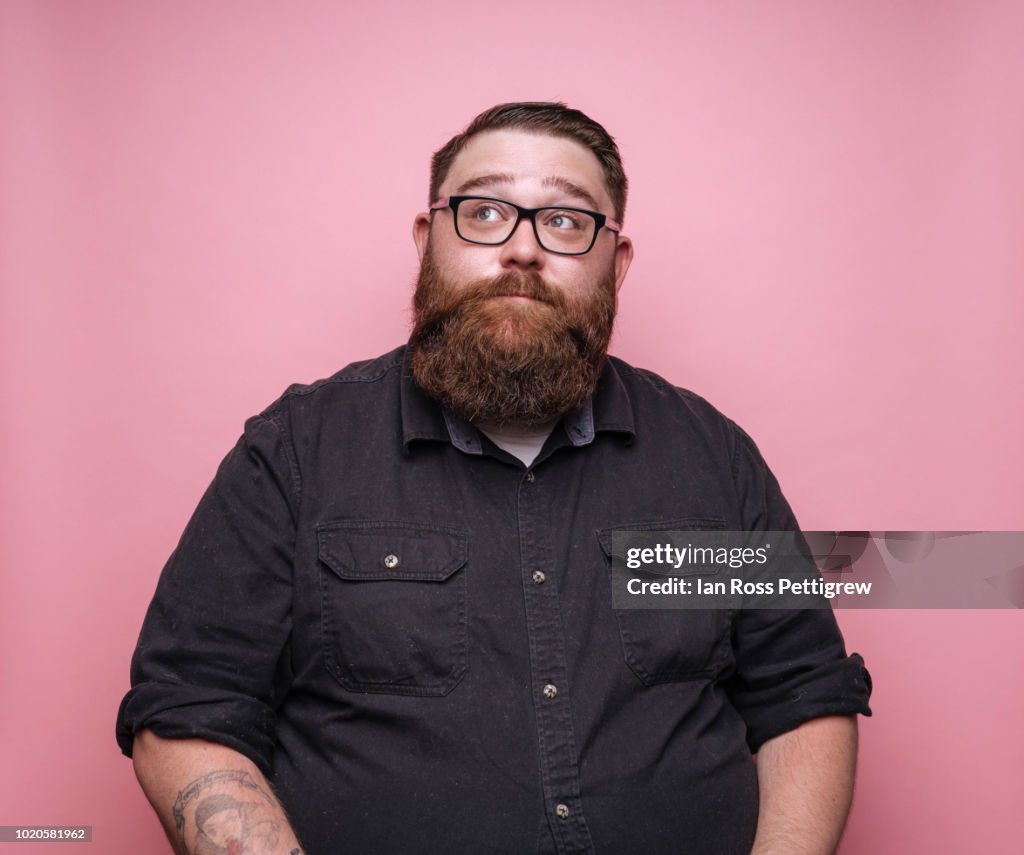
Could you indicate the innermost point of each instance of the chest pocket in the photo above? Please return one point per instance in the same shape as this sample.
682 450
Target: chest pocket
393 612
671 645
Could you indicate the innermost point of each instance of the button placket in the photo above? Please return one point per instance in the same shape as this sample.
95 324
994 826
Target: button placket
558 756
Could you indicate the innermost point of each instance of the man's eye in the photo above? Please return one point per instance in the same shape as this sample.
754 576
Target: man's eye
563 221
487 214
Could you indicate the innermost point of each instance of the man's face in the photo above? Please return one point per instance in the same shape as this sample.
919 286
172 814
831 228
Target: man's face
514 333
532 170
223 827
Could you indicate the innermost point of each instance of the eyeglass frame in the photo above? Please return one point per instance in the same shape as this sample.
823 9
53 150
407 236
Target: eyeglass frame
601 221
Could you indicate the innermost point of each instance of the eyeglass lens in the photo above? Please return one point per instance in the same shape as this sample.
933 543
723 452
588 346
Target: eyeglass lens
558 229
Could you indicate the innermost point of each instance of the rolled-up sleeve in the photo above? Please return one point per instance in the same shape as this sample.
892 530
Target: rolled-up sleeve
791 665
211 660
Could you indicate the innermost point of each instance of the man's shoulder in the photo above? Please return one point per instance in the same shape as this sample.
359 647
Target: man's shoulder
647 388
673 414
363 371
369 374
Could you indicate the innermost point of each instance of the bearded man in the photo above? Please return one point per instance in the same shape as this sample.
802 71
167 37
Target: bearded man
393 607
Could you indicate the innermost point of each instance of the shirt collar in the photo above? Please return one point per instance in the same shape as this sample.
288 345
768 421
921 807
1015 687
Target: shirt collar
613 410
424 419
463 435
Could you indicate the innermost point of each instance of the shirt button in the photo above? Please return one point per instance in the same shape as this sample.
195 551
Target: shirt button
530 477
391 561
538 577
562 811
550 691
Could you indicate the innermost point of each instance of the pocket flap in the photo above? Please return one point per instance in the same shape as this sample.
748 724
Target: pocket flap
604 535
396 551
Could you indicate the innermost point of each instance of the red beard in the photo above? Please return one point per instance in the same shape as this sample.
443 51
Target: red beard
509 362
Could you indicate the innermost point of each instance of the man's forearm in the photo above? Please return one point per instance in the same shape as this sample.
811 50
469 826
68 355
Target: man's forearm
200 788
806 782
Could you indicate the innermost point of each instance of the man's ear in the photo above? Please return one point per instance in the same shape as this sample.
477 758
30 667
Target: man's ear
421 233
623 258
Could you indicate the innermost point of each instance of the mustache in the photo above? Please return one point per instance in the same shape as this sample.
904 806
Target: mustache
513 284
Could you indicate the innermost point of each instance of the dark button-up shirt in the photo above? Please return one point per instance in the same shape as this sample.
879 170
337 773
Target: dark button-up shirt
412 634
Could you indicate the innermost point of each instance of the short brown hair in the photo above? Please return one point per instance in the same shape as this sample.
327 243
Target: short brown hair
544 117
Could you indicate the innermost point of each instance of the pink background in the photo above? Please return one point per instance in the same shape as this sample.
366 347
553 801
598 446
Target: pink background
203 202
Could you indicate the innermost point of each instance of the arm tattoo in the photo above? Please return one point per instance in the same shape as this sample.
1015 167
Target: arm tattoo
227 813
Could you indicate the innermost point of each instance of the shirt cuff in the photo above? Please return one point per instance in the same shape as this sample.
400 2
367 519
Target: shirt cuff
839 687
177 711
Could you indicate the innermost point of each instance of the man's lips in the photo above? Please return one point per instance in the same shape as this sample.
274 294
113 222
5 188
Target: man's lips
527 298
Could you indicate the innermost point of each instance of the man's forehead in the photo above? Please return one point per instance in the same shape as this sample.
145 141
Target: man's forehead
526 162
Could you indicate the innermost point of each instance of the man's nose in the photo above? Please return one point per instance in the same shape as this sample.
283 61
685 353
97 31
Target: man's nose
522 250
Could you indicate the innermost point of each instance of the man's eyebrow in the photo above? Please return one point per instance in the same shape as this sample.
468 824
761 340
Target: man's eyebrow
563 184
483 181
573 189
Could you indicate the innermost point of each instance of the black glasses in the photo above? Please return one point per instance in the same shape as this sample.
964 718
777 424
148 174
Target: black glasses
487 221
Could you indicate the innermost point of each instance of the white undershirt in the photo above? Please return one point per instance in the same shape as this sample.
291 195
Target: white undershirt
524 443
